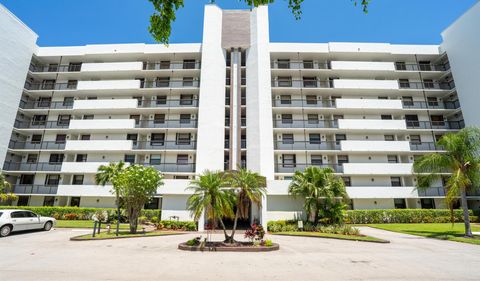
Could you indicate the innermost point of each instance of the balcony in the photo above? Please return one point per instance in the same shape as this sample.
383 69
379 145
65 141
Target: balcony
32 167
243 144
303 103
287 83
299 65
56 68
81 167
112 66
421 67
431 105
177 124
45 105
36 145
50 86
426 85
171 84
378 168
307 145
292 168
35 189
167 65
441 192
109 85
168 103
174 167
289 123
435 125
41 124
363 65
165 145
425 146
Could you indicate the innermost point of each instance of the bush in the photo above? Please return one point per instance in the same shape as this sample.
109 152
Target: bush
292 226
177 225
142 219
403 216
268 243
70 217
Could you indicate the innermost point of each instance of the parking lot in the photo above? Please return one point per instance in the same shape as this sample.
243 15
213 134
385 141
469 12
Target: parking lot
51 256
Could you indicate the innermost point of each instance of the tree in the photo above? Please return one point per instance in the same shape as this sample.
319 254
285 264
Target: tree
136 186
161 21
459 166
249 188
108 174
5 193
212 197
324 192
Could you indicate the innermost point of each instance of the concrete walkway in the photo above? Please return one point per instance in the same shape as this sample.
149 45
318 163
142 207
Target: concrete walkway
51 256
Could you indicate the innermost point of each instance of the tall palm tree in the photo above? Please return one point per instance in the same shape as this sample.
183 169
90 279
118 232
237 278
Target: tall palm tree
320 187
250 189
460 165
107 174
210 196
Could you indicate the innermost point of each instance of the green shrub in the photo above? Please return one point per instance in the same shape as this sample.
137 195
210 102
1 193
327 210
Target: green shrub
177 225
403 216
268 243
142 219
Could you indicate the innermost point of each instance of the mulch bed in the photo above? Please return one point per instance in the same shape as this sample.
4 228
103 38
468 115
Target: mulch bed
223 247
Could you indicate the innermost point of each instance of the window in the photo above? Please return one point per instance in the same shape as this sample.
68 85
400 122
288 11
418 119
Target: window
52 180
407 101
432 101
186 99
39 119
308 64
67 101
437 120
389 137
77 179
412 120
287 139
165 64
88 116
53 67
386 117
163 82
285 81
161 100
438 137
48 84
313 119
56 158
63 120
183 138
316 160
415 139
129 158
133 138
309 82
289 160
287 119
404 83
49 201
400 65
44 102
85 137
27 179
74 66
283 63
285 99
185 118
400 203
37 138
157 139
75 202
187 81
314 138
136 118
428 84
340 137
427 203
18 214
61 138
188 64
424 65
383 98
342 159
91 98
311 99
72 84
396 181
152 204
159 119
347 181
336 117
392 158
182 159
22 201
81 158
155 159
32 158
179 177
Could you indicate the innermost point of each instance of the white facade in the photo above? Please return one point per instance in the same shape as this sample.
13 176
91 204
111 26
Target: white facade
366 110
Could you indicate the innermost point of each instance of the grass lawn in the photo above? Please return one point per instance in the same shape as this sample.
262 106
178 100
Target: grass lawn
444 231
86 224
122 234
332 236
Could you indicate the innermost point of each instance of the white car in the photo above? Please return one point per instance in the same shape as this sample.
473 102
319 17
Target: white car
19 220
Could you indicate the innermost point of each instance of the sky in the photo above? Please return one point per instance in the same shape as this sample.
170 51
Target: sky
81 22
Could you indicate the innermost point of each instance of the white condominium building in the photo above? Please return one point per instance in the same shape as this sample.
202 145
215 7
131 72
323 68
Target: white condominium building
366 110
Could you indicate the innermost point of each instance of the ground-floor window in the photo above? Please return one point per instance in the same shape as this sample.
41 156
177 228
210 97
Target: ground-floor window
23 200
400 203
48 201
75 202
427 203
153 205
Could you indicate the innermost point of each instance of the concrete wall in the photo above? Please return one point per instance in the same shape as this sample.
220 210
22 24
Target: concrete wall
17 45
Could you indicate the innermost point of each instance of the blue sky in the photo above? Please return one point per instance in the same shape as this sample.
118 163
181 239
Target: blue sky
80 22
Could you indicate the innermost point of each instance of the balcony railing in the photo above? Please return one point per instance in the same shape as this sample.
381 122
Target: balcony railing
170 123
56 68
421 67
45 104
171 84
167 65
291 168
299 65
41 124
307 145
168 103
289 123
453 125
441 192
303 103
35 189
50 86
36 145
287 83
174 167
163 145
431 105
243 144
39 166
425 146
427 85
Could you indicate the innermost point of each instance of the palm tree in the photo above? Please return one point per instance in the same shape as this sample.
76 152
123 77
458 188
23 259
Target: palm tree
320 187
250 189
211 196
460 165
6 194
4 184
107 174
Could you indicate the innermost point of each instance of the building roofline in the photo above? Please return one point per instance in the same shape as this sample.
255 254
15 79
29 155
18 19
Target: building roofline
13 16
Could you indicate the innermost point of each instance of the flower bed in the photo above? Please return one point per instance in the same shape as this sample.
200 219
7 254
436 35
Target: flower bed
224 247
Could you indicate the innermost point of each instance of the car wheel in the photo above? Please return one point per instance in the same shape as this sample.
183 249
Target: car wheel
5 230
48 225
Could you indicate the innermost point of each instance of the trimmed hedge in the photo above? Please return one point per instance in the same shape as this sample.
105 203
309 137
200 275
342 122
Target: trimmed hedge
404 216
77 213
177 225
